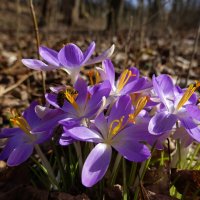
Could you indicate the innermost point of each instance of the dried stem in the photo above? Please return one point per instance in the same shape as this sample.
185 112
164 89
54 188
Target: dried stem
38 44
193 53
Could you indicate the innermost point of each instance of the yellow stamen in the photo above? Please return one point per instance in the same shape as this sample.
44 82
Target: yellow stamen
126 75
21 123
116 126
188 93
141 103
71 96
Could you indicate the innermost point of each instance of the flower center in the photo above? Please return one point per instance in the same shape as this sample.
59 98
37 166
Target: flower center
71 95
116 126
21 123
188 93
141 103
94 77
126 75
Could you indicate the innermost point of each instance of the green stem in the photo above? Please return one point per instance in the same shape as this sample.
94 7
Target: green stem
125 194
132 174
162 158
47 166
60 165
193 156
77 146
115 169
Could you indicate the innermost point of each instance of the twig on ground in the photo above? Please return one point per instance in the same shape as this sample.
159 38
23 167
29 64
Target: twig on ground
38 44
4 91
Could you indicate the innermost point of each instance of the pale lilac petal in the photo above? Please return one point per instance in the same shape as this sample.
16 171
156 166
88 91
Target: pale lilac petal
96 164
87 54
85 134
20 154
166 84
101 124
192 128
137 86
71 56
193 111
38 65
49 55
139 132
109 70
52 99
162 122
65 138
106 54
132 150
183 135
159 88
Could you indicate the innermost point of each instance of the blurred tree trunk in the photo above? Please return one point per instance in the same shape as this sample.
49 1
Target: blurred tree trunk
114 15
156 12
71 10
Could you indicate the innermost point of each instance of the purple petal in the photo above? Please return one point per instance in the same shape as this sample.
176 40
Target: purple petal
65 138
81 88
87 54
85 134
20 154
192 128
9 132
161 122
122 107
166 84
193 111
162 85
69 123
183 135
10 146
98 91
109 72
38 65
71 56
31 116
132 150
96 164
49 55
106 54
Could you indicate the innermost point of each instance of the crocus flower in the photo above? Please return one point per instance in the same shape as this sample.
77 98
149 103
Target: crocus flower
128 82
31 130
177 105
108 132
80 105
70 58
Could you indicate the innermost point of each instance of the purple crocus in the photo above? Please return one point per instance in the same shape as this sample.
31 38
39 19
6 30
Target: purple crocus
128 82
112 131
70 58
31 130
80 107
177 105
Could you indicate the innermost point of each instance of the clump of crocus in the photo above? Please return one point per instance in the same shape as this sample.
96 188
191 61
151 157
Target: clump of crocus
128 115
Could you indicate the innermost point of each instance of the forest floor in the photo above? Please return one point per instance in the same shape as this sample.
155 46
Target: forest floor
173 53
